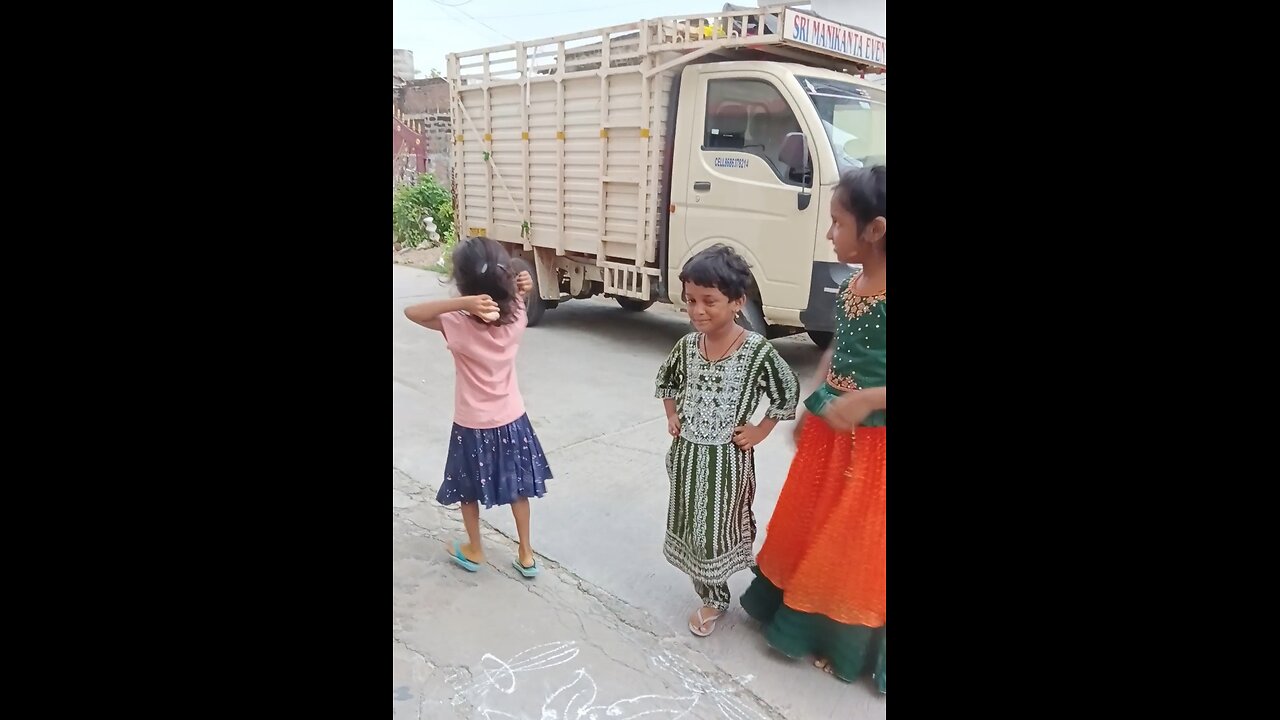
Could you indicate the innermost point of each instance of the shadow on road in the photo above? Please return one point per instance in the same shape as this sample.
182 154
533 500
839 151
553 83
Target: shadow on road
655 330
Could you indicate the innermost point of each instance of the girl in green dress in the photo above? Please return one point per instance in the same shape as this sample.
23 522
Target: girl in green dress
820 588
711 385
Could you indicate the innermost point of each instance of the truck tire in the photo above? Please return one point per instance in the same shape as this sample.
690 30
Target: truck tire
535 306
752 318
821 338
633 304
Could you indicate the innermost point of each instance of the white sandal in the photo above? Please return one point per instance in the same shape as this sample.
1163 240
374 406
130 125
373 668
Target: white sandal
703 621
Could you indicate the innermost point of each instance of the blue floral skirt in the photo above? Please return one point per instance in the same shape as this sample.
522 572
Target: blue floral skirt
494 466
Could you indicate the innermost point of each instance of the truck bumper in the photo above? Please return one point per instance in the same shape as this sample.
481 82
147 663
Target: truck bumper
824 289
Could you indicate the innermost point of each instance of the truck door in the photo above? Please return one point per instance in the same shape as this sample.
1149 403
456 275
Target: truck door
740 193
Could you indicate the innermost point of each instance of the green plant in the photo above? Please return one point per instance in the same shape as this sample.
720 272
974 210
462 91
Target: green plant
448 241
411 204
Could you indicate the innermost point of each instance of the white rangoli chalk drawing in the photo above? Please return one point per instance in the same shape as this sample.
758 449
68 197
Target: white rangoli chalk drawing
576 699
501 675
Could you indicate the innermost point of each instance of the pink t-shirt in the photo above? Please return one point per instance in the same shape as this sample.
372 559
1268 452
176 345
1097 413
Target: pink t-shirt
486 394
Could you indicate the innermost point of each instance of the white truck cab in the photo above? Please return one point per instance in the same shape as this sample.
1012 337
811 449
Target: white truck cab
759 147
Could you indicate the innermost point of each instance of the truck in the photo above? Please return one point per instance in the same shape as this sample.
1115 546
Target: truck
605 159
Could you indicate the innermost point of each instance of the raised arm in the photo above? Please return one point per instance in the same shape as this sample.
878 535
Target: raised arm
428 314
524 283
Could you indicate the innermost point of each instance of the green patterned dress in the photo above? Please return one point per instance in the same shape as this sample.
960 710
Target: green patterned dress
711 528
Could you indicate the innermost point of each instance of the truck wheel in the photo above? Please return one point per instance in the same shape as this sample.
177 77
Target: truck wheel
821 338
535 306
752 318
633 304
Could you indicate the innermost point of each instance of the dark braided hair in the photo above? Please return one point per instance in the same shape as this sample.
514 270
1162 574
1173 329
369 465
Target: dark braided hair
481 266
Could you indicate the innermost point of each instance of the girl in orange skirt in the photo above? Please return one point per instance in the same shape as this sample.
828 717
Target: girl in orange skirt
820 582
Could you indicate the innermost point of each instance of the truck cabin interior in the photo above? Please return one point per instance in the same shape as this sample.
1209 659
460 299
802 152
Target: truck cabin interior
751 116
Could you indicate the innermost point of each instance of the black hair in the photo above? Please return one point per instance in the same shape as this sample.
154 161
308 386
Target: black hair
861 193
721 268
481 266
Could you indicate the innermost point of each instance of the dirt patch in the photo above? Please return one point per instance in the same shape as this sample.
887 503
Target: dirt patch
422 258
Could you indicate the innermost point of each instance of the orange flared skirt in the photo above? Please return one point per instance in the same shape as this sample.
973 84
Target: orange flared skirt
825 547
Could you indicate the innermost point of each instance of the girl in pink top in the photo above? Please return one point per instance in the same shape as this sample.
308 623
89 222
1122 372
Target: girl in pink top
494 454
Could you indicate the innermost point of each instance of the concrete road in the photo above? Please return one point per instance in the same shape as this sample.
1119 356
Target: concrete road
602 632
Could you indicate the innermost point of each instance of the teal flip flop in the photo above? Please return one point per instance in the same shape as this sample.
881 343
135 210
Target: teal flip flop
460 560
529 572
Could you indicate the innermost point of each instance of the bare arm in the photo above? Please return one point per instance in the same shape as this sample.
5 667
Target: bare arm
874 397
766 426
670 384
847 411
673 419
428 314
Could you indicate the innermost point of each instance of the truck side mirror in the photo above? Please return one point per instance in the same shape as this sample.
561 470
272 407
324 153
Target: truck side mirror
795 155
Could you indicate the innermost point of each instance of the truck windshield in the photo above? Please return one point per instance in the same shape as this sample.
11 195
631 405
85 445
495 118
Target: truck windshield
854 118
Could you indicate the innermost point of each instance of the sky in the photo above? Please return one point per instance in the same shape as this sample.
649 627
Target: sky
433 28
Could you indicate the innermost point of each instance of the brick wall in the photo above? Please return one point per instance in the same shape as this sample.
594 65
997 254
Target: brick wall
427 101
425 96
